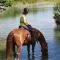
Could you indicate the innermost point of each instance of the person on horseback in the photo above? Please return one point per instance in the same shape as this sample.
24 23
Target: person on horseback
23 20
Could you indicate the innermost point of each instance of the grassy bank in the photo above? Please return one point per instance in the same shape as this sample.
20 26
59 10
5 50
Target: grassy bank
33 2
3 50
24 2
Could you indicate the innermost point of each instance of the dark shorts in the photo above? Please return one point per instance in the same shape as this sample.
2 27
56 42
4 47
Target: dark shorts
27 27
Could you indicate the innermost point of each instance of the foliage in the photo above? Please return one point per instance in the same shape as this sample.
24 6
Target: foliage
57 13
27 1
57 33
3 49
6 2
11 12
11 2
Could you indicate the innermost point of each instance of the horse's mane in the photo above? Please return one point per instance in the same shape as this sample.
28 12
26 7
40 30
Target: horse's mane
36 30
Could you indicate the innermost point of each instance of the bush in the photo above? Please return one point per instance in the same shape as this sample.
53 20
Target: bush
57 14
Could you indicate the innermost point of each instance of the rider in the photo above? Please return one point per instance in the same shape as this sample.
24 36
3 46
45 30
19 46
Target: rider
23 20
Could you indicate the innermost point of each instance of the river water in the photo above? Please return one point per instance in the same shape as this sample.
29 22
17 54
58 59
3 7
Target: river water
42 20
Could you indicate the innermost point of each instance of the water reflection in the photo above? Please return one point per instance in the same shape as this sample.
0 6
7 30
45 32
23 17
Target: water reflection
57 33
33 57
42 57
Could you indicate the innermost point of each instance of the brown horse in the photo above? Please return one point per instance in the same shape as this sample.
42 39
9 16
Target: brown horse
20 37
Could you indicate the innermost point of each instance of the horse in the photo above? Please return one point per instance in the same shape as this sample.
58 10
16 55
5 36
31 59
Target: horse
21 36
38 37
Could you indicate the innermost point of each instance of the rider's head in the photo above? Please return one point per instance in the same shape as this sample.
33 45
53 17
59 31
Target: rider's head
25 11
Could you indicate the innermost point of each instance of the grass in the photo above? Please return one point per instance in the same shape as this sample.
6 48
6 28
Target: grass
24 2
10 12
3 50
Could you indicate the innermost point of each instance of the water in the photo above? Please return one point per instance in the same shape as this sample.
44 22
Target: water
42 20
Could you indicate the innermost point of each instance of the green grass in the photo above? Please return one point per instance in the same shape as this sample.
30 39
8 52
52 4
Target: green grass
16 2
35 1
10 12
3 50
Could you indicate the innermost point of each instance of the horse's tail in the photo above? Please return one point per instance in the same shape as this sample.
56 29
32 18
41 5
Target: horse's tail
9 45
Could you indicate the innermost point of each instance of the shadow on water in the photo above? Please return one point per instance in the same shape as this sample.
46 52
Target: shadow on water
42 57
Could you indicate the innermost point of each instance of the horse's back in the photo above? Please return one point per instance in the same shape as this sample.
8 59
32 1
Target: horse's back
20 30
19 35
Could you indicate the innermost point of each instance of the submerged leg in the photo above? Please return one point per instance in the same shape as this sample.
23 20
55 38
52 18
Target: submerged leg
28 49
33 47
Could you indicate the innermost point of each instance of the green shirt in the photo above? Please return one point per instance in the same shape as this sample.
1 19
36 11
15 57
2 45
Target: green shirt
23 21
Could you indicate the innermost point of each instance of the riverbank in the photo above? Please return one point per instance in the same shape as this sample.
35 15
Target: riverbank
29 4
34 5
22 4
17 7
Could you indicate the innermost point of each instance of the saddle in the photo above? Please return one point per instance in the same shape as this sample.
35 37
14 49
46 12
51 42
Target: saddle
29 28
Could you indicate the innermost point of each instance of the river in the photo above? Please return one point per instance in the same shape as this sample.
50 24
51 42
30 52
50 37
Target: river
42 20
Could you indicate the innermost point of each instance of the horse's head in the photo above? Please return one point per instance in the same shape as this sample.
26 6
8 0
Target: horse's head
40 37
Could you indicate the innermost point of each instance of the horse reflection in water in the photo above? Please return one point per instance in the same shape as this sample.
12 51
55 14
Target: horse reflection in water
19 37
42 57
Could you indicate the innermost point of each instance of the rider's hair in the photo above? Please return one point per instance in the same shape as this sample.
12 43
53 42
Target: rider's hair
25 11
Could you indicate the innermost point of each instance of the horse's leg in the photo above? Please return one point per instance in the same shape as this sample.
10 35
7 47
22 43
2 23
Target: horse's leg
33 46
28 49
18 52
